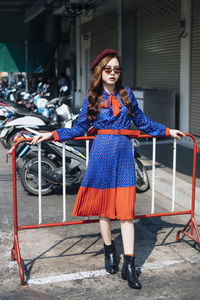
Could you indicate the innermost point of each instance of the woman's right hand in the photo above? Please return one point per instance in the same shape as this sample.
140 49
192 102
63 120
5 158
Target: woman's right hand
42 137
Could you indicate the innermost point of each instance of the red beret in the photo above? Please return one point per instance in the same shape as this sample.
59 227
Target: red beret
102 55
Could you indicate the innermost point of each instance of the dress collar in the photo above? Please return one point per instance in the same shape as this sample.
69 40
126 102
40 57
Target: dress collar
106 94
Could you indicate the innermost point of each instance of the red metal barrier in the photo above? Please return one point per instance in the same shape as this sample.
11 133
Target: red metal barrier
15 252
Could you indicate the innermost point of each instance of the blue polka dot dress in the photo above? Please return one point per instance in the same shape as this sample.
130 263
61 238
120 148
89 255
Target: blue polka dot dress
108 187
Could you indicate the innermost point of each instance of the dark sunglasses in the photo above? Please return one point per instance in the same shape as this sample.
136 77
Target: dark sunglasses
108 70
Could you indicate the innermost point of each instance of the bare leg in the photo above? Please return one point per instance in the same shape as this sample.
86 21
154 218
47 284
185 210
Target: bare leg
105 229
128 236
111 263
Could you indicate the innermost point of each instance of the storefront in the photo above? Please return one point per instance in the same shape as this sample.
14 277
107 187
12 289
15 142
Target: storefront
158 42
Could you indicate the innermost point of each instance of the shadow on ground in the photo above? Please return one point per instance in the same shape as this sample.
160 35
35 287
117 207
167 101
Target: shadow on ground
146 232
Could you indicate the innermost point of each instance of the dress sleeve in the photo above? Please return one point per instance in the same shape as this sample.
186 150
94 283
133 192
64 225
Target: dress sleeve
144 123
79 129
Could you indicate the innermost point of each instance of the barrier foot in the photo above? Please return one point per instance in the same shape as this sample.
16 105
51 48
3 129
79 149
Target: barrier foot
15 255
193 226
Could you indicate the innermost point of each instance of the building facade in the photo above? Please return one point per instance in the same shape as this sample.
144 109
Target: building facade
158 43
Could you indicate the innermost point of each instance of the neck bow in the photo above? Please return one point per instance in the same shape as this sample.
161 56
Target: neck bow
114 102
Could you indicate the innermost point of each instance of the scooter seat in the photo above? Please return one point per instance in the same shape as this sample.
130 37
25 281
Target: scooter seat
32 114
20 107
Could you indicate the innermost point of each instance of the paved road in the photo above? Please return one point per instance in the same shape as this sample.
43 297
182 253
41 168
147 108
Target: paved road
67 262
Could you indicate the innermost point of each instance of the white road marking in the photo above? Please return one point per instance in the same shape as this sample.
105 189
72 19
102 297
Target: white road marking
163 264
96 273
67 277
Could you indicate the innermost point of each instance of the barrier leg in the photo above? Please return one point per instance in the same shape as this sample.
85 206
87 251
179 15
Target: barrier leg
15 252
184 231
15 255
191 222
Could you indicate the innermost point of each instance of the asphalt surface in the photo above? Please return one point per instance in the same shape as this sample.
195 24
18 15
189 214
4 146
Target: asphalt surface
68 262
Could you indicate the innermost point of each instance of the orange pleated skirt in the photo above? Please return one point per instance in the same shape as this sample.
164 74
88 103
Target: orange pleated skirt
112 203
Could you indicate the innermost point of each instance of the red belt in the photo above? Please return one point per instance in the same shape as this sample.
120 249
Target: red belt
133 133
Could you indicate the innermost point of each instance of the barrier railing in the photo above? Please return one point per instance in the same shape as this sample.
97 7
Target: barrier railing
15 252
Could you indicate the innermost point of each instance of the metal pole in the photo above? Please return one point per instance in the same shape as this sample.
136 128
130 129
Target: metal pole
174 175
195 151
39 184
26 63
64 182
14 178
87 151
153 175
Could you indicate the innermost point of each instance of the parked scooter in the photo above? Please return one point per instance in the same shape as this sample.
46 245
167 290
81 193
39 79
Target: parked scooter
4 113
60 116
14 93
19 118
51 160
141 176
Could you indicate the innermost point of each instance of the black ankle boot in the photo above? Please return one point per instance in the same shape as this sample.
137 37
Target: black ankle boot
129 273
111 263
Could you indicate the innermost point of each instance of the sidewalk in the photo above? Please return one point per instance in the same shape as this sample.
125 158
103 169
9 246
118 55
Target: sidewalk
164 169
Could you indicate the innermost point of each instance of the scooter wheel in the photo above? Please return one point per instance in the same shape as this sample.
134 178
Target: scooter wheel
142 179
30 181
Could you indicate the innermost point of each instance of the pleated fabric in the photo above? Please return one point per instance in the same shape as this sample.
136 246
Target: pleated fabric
112 203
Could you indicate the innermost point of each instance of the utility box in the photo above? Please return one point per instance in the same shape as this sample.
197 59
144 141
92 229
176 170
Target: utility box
158 105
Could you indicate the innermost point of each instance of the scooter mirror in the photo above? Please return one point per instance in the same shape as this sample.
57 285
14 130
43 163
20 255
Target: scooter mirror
64 88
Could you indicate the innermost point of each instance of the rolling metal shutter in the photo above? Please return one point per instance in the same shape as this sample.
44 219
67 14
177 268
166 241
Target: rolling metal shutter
195 70
158 45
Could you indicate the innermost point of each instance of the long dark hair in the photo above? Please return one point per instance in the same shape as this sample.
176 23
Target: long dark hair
96 90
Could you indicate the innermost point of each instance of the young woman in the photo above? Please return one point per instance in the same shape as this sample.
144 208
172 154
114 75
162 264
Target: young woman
108 187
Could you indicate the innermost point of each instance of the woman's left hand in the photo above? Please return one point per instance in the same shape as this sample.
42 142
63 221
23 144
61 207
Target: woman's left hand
174 133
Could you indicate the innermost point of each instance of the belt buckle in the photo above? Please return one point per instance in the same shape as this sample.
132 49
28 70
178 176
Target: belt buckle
116 131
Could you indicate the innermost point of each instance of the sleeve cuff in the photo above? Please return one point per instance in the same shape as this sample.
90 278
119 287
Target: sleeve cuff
55 136
167 131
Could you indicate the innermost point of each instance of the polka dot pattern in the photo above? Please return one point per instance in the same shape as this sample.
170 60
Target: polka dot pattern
111 163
